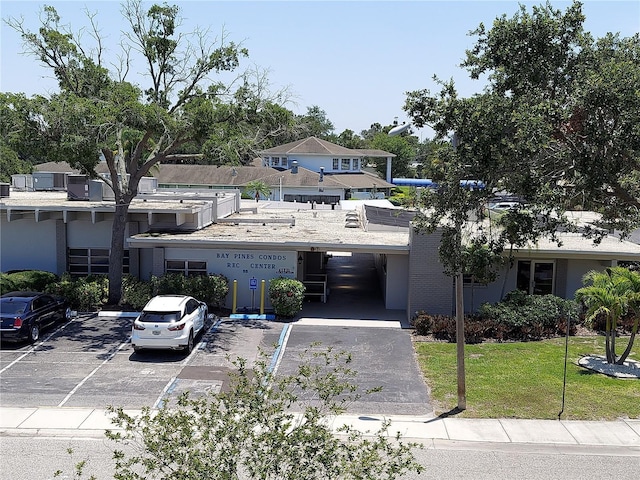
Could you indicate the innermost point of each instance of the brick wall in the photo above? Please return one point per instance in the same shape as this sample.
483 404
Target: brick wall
429 288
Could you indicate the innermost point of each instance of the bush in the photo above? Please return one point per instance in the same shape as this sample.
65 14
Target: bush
84 294
519 317
7 283
135 292
27 280
286 295
531 317
423 323
168 284
211 289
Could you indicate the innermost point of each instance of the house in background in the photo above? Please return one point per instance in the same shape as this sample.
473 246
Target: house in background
306 171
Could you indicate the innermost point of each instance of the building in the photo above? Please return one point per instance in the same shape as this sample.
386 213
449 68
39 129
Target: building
208 228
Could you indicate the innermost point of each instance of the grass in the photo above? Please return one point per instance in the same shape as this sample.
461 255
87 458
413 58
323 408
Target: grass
524 380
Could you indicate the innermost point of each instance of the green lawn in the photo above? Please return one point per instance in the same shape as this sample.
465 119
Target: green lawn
524 380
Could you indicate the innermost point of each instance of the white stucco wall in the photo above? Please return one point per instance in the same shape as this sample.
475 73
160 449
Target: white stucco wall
25 244
314 162
242 265
397 282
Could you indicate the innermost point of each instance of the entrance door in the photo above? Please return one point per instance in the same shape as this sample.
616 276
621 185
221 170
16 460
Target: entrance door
535 278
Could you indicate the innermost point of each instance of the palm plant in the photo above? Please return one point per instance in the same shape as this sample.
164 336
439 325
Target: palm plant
613 294
257 188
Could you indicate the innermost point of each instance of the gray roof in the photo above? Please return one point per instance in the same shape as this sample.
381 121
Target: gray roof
310 146
228 176
316 146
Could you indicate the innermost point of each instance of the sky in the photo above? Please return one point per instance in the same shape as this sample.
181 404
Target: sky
353 59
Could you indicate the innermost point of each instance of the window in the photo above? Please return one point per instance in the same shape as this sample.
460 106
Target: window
186 267
336 164
356 164
284 162
346 164
535 278
92 261
275 161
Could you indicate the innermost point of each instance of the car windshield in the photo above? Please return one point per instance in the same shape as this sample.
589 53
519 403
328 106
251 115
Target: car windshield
11 306
160 317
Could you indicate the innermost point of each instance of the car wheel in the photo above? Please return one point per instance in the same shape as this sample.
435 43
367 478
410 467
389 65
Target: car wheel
137 349
34 332
189 348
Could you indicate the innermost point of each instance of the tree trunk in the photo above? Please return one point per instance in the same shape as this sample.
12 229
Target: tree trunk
117 253
607 337
627 350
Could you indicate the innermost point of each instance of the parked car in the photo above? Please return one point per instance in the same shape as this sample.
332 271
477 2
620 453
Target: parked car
169 322
25 314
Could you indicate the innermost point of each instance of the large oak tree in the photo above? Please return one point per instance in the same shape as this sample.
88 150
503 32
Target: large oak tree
98 113
557 124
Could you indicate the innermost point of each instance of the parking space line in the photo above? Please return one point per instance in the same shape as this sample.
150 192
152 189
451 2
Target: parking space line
279 353
84 380
171 385
35 346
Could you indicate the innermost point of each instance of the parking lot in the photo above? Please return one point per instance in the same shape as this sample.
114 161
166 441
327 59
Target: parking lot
89 362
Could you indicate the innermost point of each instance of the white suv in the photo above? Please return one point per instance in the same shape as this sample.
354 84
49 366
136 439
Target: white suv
169 322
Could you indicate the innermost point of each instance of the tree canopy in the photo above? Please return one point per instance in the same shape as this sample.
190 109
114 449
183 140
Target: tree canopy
97 113
557 124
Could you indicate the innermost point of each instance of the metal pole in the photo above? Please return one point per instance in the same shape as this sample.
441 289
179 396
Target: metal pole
566 355
462 389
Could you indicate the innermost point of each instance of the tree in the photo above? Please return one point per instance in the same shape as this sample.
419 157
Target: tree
558 123
250 430
612 294
404 149
96 114
257 189
20 134
315 123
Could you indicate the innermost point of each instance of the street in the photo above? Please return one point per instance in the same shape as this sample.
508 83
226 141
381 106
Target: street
37 458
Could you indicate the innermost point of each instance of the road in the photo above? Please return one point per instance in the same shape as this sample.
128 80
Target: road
37 458
89 363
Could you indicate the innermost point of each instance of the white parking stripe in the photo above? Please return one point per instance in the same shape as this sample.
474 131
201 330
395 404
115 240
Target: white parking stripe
84 380
35 346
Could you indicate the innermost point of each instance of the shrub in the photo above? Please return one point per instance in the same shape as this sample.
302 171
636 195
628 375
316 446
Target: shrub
135 292
27 280
286 295
211 289
168 284
531 317
7 283
84 293
423 323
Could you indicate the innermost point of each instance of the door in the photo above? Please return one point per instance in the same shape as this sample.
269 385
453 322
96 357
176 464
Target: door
536 277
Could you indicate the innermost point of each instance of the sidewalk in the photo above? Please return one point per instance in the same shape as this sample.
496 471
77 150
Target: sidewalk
79 422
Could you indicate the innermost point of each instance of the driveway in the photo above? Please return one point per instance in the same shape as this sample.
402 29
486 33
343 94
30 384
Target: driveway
382 356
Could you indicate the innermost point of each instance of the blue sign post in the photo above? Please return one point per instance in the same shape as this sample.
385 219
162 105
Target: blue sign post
253 285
